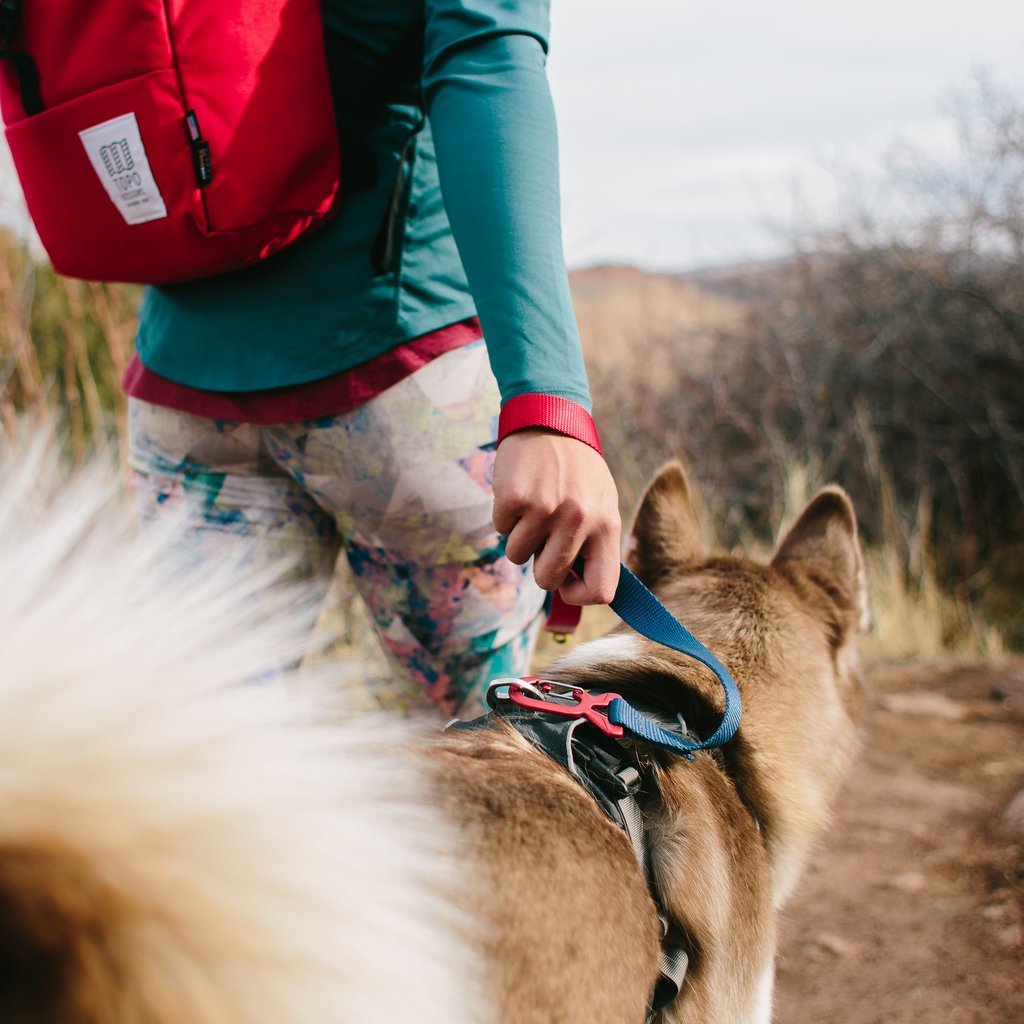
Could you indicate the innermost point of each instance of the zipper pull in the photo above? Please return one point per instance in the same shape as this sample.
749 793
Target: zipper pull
200 149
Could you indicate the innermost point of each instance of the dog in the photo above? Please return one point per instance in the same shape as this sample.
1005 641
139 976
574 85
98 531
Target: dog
181 843
571 929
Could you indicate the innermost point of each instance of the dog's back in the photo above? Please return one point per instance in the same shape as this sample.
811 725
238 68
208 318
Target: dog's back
175 846
575 932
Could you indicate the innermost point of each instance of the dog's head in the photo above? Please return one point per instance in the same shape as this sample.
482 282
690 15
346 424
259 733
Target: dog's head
787 630
817 569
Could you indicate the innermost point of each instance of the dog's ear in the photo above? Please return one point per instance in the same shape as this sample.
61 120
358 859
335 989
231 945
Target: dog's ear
823 548
665 533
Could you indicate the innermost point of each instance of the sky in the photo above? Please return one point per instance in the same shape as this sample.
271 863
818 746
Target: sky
697 133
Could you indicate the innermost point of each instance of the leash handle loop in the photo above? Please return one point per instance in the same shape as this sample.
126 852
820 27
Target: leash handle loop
642 611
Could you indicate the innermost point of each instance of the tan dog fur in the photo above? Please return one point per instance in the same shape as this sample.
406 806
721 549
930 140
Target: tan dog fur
572 932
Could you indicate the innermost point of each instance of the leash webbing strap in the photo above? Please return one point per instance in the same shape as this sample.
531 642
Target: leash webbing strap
642 611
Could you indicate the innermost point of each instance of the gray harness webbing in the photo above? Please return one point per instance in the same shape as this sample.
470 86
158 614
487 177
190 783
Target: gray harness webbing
614 777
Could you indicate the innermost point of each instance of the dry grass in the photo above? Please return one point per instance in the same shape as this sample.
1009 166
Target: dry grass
912 617
63 347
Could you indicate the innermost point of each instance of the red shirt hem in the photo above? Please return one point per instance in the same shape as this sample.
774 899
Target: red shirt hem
330 396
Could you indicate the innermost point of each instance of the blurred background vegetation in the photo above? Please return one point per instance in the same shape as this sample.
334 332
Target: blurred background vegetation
63 347
885 354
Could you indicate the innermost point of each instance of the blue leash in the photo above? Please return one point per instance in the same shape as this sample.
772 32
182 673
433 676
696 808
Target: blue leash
610 712
642 611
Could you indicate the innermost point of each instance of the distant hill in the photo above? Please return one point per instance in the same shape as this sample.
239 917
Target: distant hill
745 282
625 313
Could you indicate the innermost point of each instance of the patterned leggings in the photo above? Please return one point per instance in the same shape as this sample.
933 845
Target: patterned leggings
402 485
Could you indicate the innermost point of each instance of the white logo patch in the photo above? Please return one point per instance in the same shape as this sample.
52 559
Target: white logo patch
117 155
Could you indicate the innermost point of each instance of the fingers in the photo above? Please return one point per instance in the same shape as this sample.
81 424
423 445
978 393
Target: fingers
552 563
526 538
506 515
555 500
601 567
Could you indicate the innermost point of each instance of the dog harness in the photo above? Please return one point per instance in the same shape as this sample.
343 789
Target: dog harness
580 729
613 775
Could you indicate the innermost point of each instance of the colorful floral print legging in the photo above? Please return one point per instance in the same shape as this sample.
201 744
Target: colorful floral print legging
401 485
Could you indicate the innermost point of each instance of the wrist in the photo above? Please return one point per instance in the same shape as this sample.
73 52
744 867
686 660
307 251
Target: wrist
548 412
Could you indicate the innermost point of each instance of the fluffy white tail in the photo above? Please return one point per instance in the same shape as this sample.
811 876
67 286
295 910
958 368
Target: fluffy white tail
177 845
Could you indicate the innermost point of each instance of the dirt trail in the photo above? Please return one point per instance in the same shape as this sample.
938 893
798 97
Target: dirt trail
913 908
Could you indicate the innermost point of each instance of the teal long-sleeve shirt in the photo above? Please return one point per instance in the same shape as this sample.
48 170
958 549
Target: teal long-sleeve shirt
479 227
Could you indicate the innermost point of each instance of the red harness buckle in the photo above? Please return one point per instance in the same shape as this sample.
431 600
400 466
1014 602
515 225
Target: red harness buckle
591 706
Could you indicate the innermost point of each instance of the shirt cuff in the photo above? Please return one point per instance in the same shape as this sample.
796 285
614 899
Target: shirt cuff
562 415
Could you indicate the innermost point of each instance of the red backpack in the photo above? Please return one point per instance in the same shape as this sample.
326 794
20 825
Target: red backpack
162 140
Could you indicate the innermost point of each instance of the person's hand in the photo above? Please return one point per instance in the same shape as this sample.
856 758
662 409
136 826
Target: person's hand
555 500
